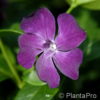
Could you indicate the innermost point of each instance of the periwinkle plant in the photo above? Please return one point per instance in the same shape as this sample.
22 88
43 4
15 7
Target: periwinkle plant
39 38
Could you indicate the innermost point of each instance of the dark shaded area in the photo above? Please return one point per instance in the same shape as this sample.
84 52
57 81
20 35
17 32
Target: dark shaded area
3 5
96 16
7 90
25 8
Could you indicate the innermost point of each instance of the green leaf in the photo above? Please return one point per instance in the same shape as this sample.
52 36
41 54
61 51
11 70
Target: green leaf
2 77
95 5
20 68
87 21
9 37
79 2
30 76
94 51
16 26
30 92
4 70
11 55
10 65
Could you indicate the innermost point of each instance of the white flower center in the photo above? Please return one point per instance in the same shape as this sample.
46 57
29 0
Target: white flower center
53 47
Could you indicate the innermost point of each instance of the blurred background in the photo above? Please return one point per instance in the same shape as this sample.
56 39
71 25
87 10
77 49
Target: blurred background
17 83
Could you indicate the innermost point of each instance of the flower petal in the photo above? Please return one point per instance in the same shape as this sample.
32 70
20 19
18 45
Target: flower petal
26 57
70 35
47 71
31 41
30 47
42 23
68 62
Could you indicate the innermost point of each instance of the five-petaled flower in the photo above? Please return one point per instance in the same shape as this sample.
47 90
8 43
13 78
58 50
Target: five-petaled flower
55 51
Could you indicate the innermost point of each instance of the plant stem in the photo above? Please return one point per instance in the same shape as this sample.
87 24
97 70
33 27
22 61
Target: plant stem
70 8
6 57
10 30
5 73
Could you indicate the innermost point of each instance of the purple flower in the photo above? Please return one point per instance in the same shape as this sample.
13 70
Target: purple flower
60 51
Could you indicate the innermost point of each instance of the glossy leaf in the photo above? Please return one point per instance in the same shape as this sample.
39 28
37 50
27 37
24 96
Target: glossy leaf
9 36
94 51
79 2
11 55
4 70
30 92
16 26
30 76
95 5
2 77
88 22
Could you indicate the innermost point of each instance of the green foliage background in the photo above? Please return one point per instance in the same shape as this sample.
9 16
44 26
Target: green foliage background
17 83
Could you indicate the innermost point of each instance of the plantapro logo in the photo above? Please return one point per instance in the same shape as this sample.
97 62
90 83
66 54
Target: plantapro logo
79 95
